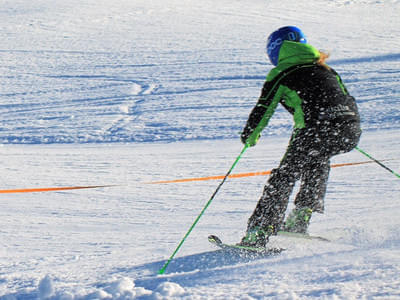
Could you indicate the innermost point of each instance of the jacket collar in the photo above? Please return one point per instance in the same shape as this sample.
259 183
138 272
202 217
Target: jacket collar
291 54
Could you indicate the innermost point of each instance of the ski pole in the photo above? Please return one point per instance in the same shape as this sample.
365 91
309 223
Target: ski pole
162 270
378 162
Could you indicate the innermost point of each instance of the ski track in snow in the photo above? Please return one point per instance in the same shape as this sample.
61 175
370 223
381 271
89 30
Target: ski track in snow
128 92
119 108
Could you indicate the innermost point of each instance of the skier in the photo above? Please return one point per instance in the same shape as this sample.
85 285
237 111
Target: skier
326 123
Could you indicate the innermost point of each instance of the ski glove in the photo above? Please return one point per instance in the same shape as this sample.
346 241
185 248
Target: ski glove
248 138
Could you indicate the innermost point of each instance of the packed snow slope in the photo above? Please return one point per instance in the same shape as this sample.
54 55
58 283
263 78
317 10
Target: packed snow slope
146 71
129 92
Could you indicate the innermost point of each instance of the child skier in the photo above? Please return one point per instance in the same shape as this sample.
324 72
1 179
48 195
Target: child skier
326 123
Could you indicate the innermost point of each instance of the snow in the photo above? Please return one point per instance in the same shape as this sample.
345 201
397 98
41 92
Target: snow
46 288
124 93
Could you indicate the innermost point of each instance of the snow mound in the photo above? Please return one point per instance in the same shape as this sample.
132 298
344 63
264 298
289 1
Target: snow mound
169 289
122 288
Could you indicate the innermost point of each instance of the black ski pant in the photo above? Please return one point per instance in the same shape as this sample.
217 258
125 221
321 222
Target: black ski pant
306 159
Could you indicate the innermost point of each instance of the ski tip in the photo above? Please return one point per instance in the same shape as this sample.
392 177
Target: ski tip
214 239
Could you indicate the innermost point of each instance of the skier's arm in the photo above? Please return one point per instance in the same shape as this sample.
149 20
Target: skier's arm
260 114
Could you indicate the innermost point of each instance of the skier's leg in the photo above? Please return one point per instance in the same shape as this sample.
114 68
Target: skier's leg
270 210
326 143
313 186
310 197
321 145
271 207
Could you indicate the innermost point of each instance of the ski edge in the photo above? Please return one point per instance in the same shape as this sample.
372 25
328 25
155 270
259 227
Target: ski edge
215 240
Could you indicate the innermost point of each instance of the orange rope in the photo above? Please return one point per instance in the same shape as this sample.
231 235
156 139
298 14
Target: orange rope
240 175
51 189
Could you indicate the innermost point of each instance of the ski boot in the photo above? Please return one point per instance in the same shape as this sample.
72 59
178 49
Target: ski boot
257 237
298 220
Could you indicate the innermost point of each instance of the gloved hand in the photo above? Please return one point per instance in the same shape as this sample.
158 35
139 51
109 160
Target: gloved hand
248 138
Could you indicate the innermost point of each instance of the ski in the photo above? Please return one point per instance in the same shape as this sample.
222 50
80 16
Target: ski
213 239
302 236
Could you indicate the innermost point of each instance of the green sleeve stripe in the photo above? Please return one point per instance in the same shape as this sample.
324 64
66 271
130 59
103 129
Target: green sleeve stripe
253 138
293 100
342 86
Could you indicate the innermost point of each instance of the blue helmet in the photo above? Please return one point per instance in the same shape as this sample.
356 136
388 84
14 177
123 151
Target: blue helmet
275 40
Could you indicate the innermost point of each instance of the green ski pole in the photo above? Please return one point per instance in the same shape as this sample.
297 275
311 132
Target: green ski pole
378 162
162 270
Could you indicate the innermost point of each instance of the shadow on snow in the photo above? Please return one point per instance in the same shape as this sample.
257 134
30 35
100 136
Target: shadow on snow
368 59
185 270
